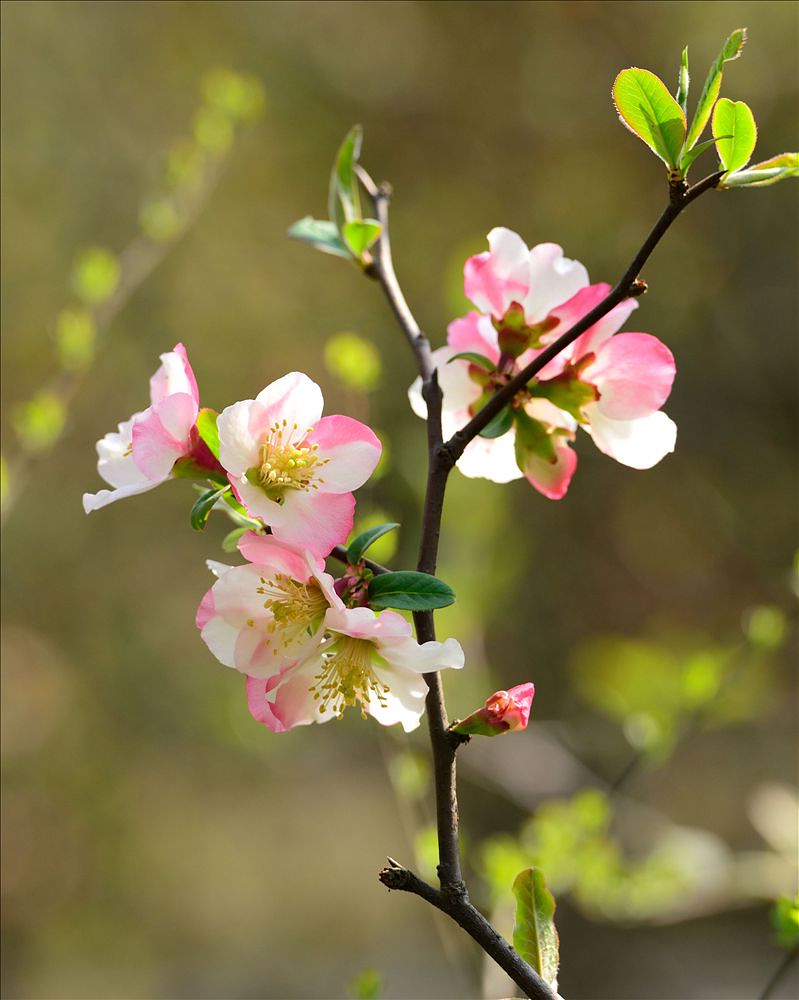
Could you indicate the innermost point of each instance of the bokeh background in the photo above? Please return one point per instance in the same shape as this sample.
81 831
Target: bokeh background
157 842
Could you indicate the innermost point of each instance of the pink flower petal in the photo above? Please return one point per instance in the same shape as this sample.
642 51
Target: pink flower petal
553 279
160 435
314 521
349 450
551 478
174 375
634 373
266 550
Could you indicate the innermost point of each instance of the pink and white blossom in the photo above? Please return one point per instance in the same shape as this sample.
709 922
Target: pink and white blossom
294 468
143 450
260 617
367 660
611 384
503 712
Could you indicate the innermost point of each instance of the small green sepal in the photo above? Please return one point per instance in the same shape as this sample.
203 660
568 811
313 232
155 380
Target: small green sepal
203 506
206 428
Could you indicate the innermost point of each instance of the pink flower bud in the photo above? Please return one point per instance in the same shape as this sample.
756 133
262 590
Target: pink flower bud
503 712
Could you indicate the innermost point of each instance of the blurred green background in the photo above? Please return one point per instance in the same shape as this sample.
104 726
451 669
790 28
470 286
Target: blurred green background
157 842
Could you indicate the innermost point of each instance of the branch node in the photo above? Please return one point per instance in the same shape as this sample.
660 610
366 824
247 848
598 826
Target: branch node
638 287
395 878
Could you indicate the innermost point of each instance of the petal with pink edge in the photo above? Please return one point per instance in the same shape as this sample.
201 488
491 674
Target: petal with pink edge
316 521
266 550
174 375
551 479
160 435
349 450
603 329
634 373
260 707
553 279
473 332
639 444
294 398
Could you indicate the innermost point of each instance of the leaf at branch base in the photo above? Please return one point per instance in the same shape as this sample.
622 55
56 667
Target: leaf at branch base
534 934
776 168
344 203
730 50
206 428
683 80
409 591
688 157
361 543
203 506
360 234
321 234
735 133
648 110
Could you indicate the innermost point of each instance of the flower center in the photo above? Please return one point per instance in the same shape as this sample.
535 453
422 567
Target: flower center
284 463
347 677
297 608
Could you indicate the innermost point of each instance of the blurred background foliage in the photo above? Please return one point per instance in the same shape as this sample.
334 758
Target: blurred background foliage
157 842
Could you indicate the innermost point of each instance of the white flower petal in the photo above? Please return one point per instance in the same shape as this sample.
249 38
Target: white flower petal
553 280
639 444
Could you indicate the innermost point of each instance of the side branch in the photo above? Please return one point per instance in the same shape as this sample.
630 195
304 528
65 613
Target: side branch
622 290
382 270
474 923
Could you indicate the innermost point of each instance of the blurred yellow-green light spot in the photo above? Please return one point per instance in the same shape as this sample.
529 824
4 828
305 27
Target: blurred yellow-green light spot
95 276
354 361
75 337
237 95
213 130
159 219
39 421
765 627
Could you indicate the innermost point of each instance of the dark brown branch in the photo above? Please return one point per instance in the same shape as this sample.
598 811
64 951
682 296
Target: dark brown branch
474 923
452 897
625 287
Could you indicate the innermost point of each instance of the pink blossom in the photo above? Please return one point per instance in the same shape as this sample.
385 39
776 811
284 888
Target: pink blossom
260 617
293 468
612 386
503 712
142 452
366 659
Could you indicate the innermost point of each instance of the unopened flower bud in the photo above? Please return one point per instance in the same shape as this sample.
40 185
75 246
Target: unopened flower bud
503 712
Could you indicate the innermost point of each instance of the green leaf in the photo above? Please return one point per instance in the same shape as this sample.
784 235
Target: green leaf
360 234
206 428
361 542
534 934
785 917
344 204
683 80
532 438
474 359
777 168
730 50
498 425
231 539
735 133
321 234
688 157
203 506
189 468
647 108
409 591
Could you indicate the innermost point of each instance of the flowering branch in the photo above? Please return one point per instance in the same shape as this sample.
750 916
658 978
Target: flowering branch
452 898
629 285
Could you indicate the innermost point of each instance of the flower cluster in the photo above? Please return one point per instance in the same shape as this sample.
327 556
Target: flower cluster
309 645
610 384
